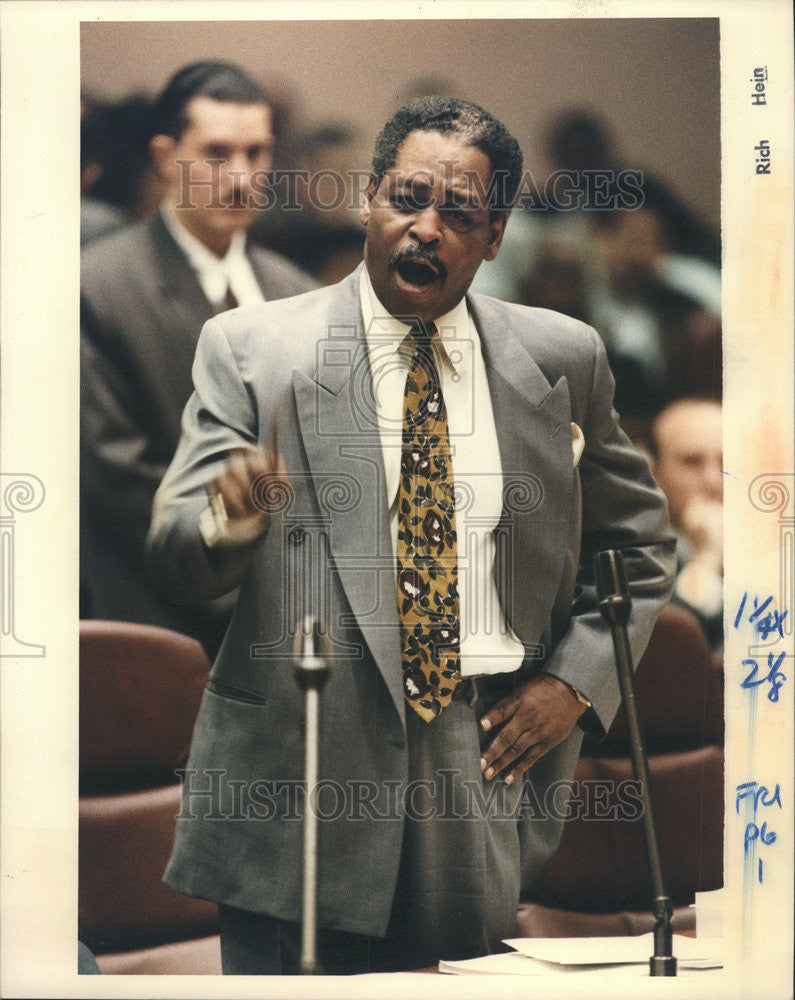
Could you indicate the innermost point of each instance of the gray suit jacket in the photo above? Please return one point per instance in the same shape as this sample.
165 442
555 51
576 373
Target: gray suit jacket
302 364
141 312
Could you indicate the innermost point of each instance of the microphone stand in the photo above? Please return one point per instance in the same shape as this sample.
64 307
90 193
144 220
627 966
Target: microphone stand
312 672
615 604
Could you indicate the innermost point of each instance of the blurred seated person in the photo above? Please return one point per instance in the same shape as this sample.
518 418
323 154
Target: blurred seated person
586 171
659 309
314 220
117 181
687 461
581 146
576 145
559 279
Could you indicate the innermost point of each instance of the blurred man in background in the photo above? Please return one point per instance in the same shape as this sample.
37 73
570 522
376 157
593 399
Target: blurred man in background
687 448
146 290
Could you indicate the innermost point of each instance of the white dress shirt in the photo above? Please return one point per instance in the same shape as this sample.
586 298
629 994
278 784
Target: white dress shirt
216 274
488 645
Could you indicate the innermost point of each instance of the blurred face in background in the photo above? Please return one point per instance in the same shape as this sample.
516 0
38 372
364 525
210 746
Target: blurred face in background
217 170
631 249
689 464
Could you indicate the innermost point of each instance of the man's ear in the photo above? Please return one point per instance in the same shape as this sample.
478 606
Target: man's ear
366 207
496 232
161 149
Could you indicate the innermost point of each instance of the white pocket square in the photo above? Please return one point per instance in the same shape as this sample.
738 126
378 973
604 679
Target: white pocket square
577 444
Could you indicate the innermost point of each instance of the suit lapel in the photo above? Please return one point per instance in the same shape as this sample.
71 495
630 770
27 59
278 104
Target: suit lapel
182 298
533 421
341 438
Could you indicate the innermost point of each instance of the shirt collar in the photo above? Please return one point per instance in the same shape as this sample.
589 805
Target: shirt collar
199 256
386 334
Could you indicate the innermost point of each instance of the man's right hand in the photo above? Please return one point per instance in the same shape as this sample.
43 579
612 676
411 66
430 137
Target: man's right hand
251 486
702 521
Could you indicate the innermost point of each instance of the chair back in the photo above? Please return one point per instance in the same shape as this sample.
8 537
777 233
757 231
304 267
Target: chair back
140 689
678 692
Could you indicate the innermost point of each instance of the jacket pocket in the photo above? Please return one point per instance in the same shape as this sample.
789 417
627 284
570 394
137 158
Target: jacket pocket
235 693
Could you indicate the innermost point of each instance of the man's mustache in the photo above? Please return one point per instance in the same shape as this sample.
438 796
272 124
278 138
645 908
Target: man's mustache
419 253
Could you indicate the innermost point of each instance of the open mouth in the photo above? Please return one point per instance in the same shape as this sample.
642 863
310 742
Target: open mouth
415 271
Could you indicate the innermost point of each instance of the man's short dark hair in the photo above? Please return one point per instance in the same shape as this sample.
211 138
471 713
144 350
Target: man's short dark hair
220 81
473 125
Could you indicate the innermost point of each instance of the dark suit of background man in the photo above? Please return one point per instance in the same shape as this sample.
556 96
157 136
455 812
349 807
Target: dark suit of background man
145 293
429 830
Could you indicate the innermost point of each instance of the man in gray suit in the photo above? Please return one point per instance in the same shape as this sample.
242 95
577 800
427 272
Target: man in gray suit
454 714
145 293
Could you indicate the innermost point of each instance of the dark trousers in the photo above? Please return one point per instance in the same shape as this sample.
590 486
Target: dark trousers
256 944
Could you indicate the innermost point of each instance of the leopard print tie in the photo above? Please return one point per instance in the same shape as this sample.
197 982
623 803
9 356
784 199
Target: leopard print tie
427 560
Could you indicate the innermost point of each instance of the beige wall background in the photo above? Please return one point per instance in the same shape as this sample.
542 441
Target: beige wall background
654 81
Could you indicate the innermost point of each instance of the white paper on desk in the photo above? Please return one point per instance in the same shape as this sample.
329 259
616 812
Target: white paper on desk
508 964
513 964
690 952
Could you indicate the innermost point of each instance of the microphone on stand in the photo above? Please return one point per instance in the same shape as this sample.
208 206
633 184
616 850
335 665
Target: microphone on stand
311 655
615 605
